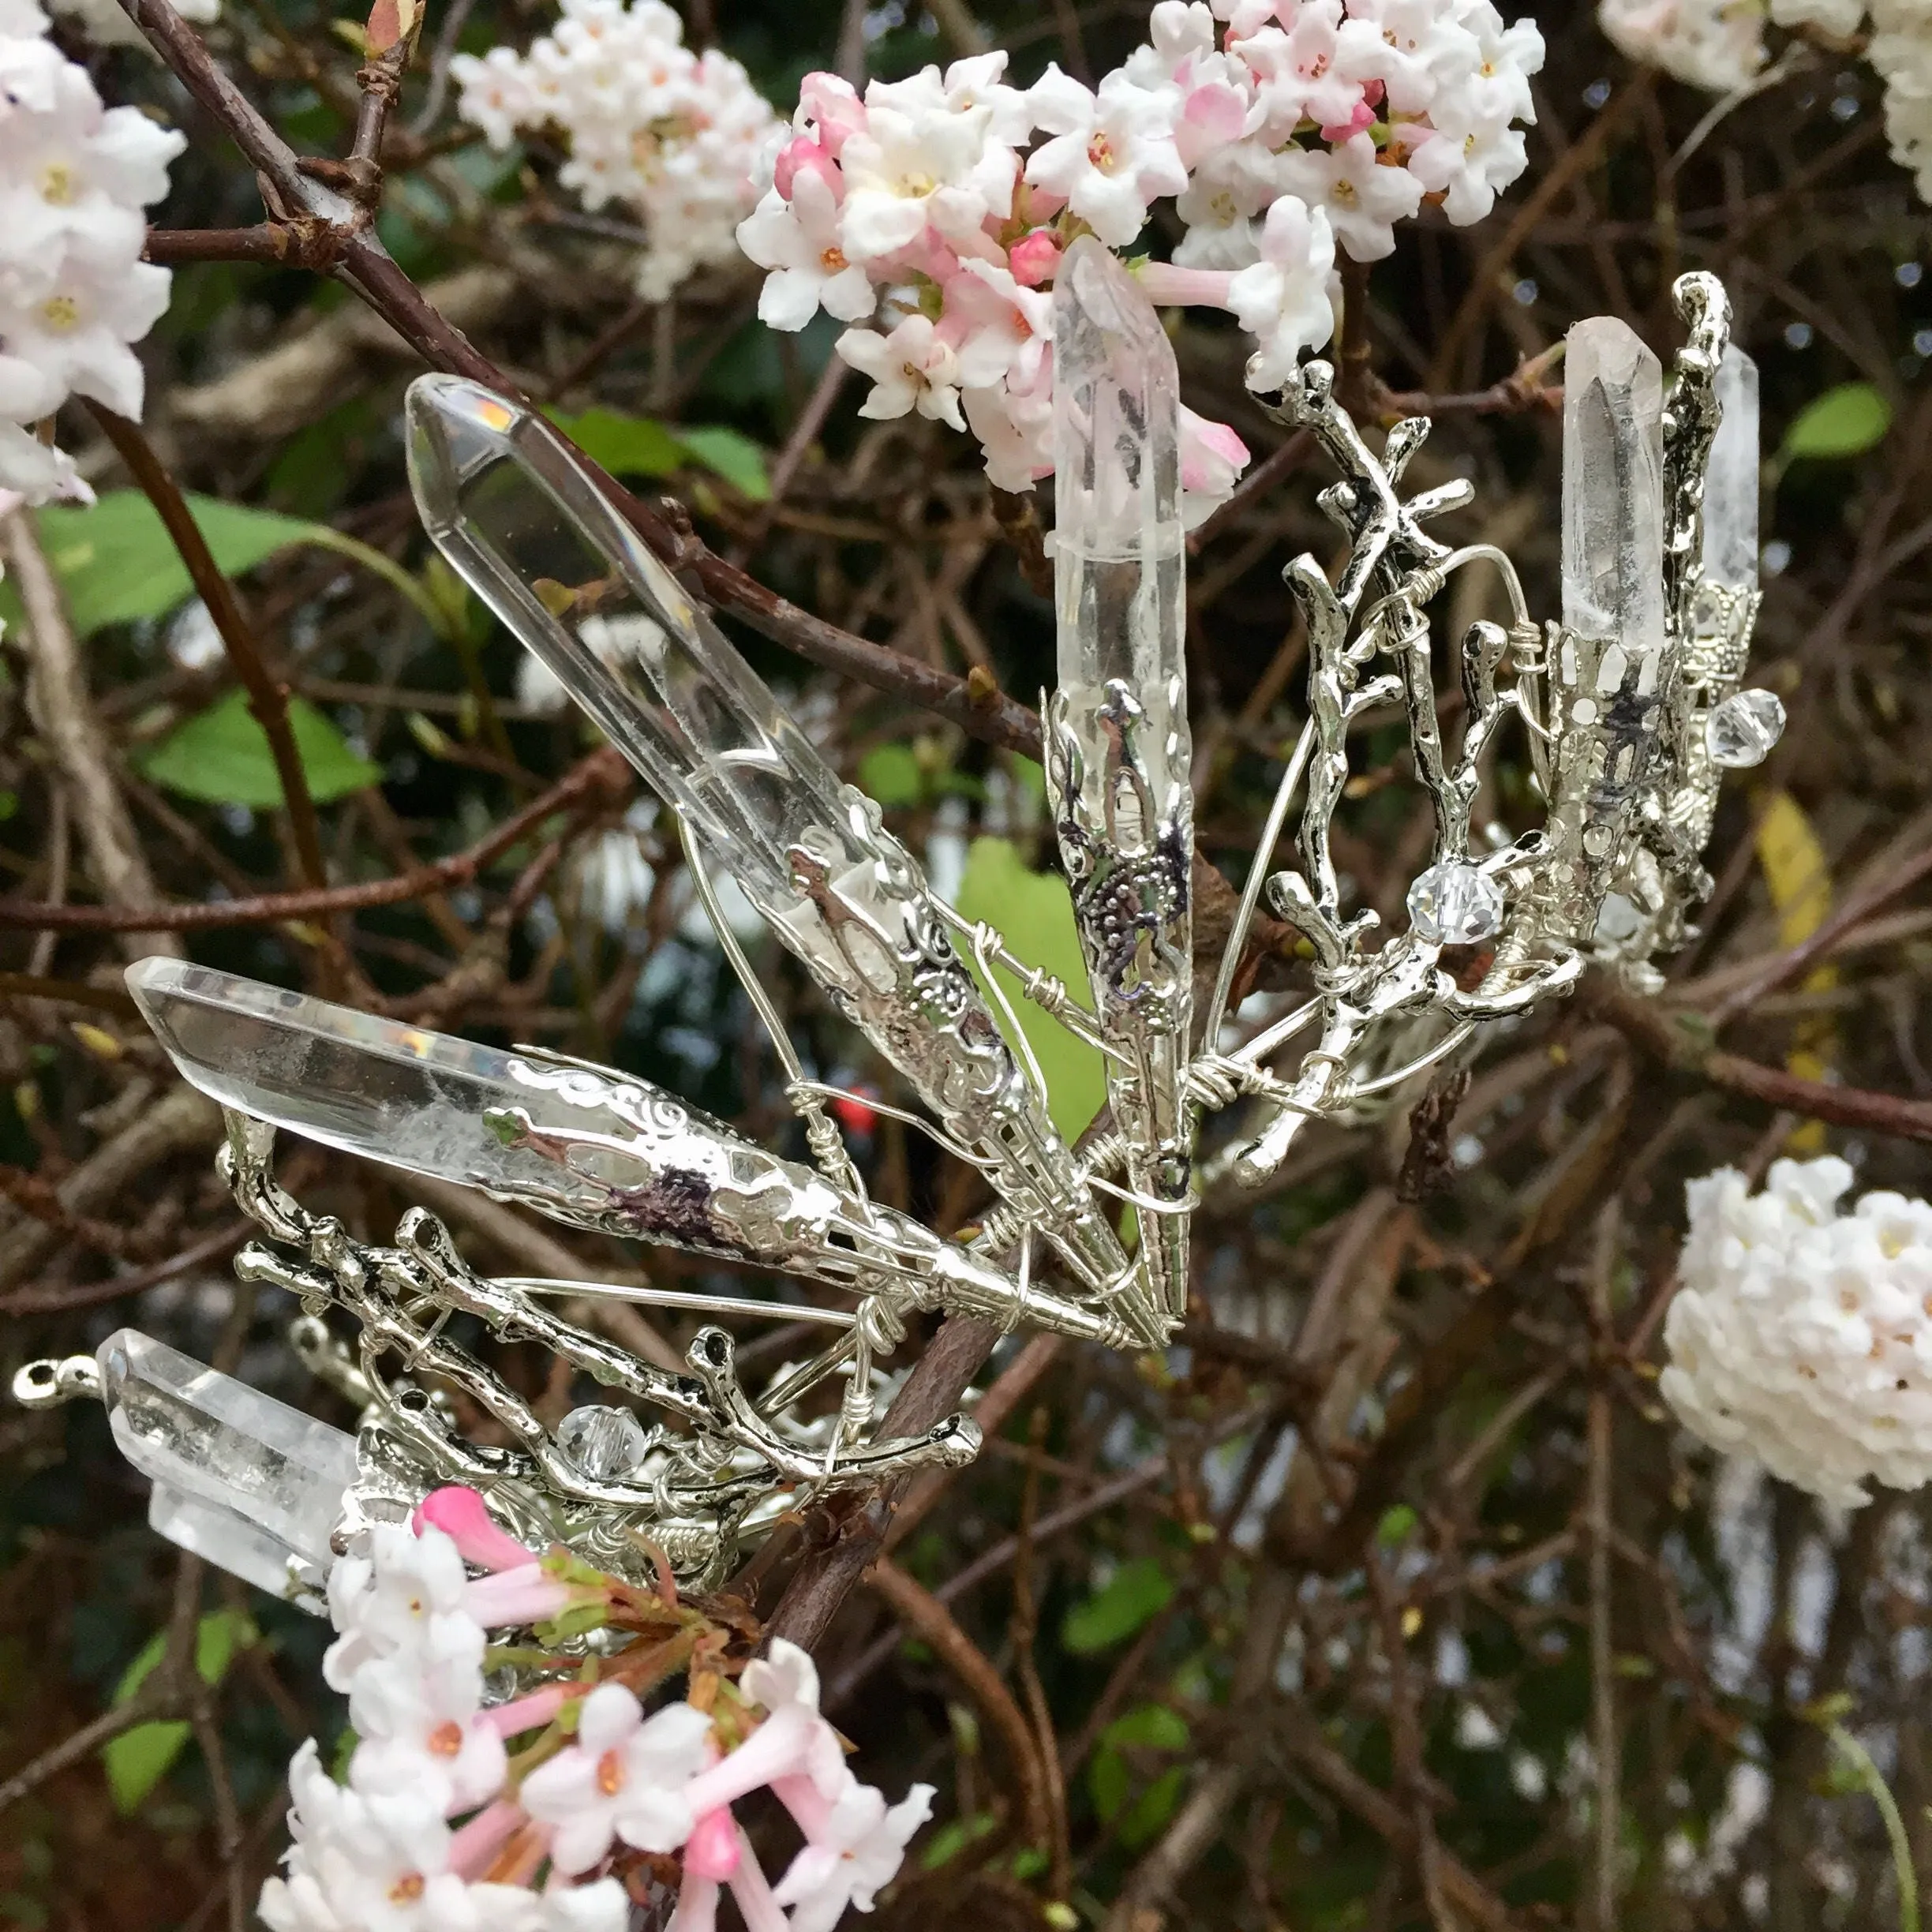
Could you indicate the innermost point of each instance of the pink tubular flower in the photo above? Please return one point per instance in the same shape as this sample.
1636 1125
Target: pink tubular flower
527 1594
712 1852
527 1713
1212 458
464 1518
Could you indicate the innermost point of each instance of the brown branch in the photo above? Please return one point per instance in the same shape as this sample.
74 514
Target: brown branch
214 1247
922 1612
70 992
79 751
311 244
1354 379
268 699
1555 181
603 770
1682 1041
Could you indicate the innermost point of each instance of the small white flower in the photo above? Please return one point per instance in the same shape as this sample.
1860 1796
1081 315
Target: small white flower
405 1599
914 368
1113 153
798 242
1283 300
624 1778
1006 329
857 1851
1299 73
384 1866
905 169
417 1722
1015 429
1363 199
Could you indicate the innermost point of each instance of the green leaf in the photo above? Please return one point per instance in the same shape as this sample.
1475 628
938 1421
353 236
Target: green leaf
1153 1808
138 1759
735 458
1136 1591
117 563
891 774
1034 916
625 445
1108 1782
1153 1727
952 1837
1395 1525
222 755
1843 422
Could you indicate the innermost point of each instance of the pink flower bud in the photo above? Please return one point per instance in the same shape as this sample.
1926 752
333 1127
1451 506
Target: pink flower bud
711 1851
463 1517
831 104
1035 261
806 156
1363 118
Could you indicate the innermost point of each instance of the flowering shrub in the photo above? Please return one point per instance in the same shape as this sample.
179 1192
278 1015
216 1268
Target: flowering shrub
74 292
674 134
551 1811
1802 1336
1719 45
931 214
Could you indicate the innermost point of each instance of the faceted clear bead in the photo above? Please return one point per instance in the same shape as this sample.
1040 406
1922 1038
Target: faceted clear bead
247 1479
1455 905
603 1442
1740 732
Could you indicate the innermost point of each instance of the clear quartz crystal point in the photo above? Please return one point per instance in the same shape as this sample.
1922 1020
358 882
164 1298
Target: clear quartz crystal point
511 507
603 1441
245 1481
1741 730
586 1146
1730 478
1613 489
1609 679
1118 745
1454 904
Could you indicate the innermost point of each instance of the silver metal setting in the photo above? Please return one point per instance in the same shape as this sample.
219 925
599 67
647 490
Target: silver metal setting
1617 744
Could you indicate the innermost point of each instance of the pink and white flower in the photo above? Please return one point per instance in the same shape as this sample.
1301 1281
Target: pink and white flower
1283 300
854 1845
914 368
625 1778
1113 153
1363 195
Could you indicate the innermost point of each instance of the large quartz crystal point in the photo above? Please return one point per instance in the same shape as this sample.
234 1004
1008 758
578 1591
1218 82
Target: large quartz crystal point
1119 743
242 1479
1731 477
1610 676
1613 488
521 519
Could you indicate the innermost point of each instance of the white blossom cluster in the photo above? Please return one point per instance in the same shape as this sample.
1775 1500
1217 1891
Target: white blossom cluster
932 213
674 135
106 22
1802 1336
459 1816
1719 45
74 292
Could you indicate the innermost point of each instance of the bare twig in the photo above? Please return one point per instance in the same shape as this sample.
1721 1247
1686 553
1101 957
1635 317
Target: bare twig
267 698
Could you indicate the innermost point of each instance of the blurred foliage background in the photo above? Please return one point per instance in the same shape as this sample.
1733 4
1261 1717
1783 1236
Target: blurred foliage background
1391 1597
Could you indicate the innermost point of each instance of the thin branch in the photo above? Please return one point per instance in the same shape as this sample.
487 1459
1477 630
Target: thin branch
603 771
922 1612
268 699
